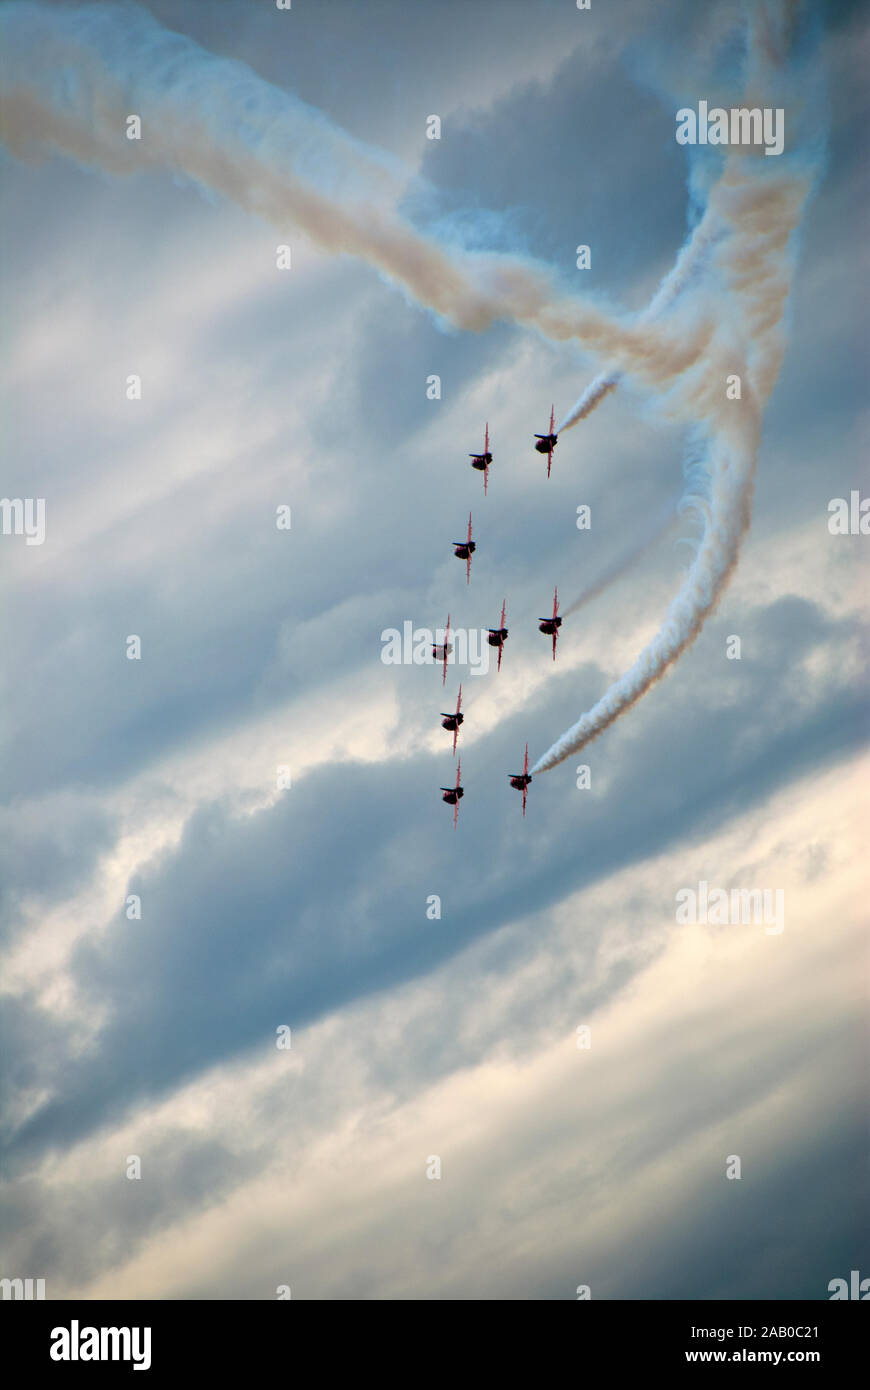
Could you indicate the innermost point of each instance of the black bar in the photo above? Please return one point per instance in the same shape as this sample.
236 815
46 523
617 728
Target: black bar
225 1338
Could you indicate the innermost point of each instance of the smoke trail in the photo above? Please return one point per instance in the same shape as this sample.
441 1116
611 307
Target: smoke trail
69 78
759 212
755 213
771 32
690 259
659 527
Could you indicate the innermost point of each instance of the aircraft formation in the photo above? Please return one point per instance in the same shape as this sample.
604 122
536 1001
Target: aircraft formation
496 636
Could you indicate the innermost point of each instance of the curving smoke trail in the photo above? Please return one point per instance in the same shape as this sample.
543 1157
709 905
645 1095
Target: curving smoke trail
752 214
690 260
759 213
771 30
70 77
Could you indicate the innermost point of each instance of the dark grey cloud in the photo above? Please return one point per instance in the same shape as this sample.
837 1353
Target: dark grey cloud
284 915
48 848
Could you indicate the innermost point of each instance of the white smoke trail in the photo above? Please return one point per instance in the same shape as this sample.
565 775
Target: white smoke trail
770 30
690 259
753 214
70 77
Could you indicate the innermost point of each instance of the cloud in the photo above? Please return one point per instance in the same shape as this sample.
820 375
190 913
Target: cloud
717 1046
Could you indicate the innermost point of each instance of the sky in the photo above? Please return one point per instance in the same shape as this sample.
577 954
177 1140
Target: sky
438 1127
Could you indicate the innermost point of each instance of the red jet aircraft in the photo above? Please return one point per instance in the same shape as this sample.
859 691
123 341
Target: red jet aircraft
441 651
482 461
451 722
550 626
547 442
521 780
463 550
452 794
498 635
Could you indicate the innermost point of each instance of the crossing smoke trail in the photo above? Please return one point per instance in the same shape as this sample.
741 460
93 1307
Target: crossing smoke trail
755 213
686 267
760 212
771 29
69 78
